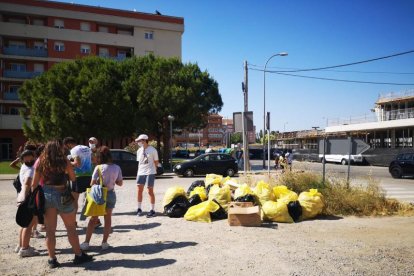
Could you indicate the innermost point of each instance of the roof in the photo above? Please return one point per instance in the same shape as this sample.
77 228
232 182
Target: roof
396 97
371 126
97 10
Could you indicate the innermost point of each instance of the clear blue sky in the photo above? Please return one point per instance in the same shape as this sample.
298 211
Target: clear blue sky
219 35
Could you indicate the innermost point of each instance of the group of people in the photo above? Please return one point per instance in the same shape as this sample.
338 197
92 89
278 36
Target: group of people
283 160
59 167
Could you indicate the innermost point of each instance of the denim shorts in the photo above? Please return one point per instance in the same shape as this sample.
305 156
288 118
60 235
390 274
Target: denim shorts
146 179
52 200
110 199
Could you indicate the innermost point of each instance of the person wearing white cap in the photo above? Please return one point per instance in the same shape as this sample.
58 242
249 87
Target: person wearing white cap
147 157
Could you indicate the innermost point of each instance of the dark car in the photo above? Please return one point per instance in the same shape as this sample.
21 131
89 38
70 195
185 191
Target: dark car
199 152
181 154
403 165
128 162
218 163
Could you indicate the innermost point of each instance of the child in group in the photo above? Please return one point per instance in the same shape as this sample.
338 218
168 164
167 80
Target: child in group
27 159
110 174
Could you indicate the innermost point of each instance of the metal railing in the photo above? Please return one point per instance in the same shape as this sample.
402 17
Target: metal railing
10 96
22 51
395 95
398 114
20 74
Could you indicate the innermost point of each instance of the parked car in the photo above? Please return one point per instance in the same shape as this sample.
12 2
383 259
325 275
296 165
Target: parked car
218 163
403 165
181 154
128 162
199 152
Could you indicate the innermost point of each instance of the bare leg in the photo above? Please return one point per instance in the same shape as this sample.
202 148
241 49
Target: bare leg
108 224
75 202
27 233
140 189
91 228
70 224
50 223
151 194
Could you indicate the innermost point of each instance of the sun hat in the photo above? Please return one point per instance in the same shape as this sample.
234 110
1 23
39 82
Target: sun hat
142 137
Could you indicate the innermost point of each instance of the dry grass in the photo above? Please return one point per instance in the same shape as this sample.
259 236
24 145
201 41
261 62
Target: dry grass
357 200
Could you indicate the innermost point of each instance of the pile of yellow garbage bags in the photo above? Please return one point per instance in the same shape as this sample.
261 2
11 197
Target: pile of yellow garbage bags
209 199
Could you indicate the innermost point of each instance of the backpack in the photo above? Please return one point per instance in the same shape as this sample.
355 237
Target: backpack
17 184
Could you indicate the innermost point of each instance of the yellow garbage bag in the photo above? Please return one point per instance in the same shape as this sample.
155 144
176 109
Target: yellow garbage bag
201 191
172 193
264 192
312 203
201 212
213 179
222 195
276 211
243 190
282 193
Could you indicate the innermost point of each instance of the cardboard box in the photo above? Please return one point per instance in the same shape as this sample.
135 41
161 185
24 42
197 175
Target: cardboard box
244 214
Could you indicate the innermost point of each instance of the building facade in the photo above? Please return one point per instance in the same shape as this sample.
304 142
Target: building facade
34 35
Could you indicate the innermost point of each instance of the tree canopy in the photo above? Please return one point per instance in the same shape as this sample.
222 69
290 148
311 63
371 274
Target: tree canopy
96 96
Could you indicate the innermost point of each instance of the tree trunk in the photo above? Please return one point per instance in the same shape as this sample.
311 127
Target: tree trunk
166 142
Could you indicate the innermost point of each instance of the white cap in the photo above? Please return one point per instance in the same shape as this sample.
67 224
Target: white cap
93 139
142 137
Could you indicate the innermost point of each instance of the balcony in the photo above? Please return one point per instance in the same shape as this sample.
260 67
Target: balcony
11 121
10 96
20 74
117 58
21 51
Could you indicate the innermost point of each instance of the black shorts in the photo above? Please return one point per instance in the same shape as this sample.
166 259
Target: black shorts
81 184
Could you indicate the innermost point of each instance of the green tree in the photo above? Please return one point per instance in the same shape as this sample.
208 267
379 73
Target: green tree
160 87
236 138
80 98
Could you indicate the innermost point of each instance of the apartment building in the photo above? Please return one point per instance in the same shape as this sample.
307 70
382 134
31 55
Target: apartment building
34 35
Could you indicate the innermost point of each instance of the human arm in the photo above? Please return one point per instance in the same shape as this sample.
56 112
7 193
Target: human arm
14 164
76 162
119 180
95 176
70 171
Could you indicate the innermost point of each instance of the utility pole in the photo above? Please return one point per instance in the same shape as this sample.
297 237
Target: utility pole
246 109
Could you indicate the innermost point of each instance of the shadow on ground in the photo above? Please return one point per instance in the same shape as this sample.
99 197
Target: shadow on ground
148 249
126 263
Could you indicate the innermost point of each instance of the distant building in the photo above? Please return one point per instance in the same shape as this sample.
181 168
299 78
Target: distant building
34 35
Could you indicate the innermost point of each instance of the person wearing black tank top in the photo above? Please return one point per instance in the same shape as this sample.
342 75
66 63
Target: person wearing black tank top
54 168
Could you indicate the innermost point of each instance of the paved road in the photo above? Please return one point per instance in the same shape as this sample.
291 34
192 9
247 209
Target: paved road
401 189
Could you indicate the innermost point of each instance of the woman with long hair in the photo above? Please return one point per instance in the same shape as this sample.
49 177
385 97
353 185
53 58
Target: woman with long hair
111 175
53 169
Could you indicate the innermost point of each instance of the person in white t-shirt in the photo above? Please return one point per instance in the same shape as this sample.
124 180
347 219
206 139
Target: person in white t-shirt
147 157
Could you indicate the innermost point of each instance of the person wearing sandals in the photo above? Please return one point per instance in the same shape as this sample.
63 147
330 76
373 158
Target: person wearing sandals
54 168
27 159
109 175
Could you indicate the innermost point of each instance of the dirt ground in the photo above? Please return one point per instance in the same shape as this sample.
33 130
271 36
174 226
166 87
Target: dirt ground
161 245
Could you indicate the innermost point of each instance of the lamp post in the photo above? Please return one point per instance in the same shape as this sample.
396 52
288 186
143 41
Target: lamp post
171 119
282 54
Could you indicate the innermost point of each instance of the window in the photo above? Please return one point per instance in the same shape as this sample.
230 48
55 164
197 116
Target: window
14 111
149 35
39 67
85 26
103 29
125 32
14 88
85 49
39 45
59 23
122 53
59 47
17 44
104 52
116 155
20 67
17 20
128 156
38 22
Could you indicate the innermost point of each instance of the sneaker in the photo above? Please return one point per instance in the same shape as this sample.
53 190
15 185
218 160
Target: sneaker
29 252
83 258
17 249
151 214
139 212
36 234
53 263
98 224
105 246
42 228
84 246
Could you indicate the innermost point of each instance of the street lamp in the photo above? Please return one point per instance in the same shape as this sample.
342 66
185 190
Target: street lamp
171 119
282 54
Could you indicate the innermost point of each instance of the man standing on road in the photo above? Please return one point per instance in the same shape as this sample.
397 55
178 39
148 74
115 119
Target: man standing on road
82 164
147 158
